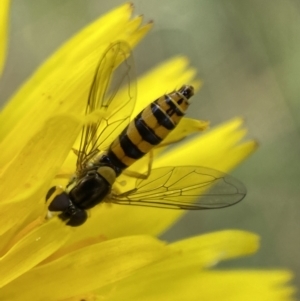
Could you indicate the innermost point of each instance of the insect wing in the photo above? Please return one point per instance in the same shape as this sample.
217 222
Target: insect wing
113 90
184 187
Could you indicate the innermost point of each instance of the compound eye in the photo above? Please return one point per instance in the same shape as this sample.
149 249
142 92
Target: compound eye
60 202
78 218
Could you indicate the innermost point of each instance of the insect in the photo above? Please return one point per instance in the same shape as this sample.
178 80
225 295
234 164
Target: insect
113 143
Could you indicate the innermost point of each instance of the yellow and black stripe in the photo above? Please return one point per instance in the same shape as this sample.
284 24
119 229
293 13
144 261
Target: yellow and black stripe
149 127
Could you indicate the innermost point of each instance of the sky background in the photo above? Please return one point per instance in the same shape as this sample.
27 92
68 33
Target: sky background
248 55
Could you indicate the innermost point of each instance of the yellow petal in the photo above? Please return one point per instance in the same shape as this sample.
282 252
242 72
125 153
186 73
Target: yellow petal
47 149
31 250
190 284
76 273
187 126
39 161
62 83
180 277
219 148
4 10
208 249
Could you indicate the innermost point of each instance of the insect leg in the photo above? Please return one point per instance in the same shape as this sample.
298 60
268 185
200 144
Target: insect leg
64 175
138 175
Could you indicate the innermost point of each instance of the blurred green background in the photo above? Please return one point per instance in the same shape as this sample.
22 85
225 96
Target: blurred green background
248 55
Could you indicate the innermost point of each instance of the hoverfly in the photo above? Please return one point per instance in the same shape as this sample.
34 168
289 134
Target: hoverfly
103 154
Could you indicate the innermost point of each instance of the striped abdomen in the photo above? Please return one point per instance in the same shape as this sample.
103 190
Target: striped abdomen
149 127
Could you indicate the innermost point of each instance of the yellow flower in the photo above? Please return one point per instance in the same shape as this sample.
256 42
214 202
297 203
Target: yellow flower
4 6
113 256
